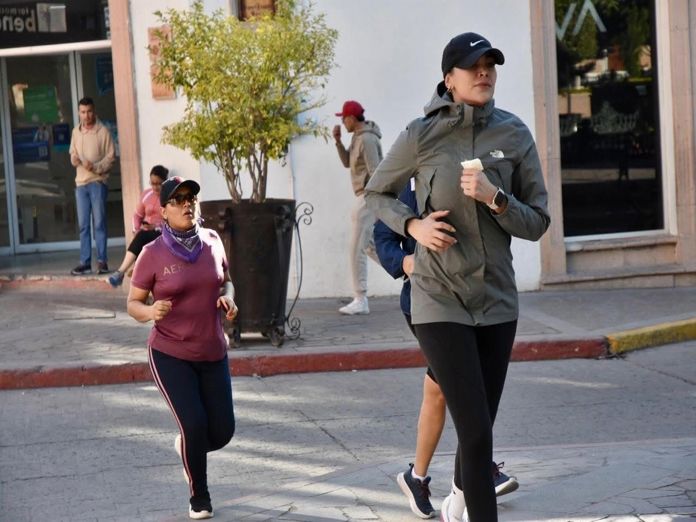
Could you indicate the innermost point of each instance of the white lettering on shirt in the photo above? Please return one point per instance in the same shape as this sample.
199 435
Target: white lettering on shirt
171 269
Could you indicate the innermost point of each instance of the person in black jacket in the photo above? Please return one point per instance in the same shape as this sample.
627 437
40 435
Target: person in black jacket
395 254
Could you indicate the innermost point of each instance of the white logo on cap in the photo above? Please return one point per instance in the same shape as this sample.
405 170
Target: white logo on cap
471 44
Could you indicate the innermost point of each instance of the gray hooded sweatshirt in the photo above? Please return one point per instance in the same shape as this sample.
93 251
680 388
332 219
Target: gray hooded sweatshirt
473 281
363 155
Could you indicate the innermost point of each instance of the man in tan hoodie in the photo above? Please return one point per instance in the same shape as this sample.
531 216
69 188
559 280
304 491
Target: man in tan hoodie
92 153
362 157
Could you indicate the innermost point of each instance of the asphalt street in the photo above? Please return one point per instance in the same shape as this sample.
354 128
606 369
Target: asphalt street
610 439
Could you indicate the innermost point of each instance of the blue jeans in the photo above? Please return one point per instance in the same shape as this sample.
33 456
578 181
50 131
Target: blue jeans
91 203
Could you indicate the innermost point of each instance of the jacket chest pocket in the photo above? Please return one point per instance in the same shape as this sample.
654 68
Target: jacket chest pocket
500 174
424 187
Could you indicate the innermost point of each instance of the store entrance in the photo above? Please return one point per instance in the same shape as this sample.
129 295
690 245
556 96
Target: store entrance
39 111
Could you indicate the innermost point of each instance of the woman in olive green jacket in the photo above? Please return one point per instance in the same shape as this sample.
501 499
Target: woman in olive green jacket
463 291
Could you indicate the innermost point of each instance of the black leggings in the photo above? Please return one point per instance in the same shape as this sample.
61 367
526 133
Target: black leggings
428 371
200 397
142 238
470 363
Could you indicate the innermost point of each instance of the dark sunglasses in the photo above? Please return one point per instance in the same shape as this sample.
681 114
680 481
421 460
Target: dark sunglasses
179 199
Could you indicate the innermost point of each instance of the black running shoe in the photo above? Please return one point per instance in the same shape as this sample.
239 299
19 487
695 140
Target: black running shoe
417 492
503 483
81 270
102 268
200 508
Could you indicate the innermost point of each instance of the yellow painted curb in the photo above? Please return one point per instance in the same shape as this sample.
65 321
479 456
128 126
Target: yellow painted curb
656 335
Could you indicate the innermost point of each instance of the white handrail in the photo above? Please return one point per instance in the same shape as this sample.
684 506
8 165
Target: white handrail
94 45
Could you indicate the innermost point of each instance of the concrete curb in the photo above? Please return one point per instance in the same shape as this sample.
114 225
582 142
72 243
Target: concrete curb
74 376
93 282
546 350
267 365
655 335
362 358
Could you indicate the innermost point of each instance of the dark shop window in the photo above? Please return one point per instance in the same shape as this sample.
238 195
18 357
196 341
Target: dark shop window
608 116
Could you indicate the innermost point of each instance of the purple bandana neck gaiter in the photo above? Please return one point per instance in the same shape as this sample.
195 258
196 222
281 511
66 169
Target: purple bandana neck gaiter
184 245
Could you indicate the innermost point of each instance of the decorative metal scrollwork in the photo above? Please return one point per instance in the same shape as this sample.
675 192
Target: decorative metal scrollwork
303 214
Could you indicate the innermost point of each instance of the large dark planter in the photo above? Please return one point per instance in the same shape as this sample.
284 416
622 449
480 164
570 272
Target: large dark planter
257 238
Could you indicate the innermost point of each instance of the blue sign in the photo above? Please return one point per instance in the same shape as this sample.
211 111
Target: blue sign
31 144
105 74
61 137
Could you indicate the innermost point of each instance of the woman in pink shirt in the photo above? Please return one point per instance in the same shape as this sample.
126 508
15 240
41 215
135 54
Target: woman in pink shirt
147 223
185 270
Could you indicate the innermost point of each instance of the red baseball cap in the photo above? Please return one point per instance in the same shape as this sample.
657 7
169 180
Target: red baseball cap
351 108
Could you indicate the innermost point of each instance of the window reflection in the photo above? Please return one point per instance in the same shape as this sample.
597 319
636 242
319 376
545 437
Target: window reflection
4 221
608 116
41 121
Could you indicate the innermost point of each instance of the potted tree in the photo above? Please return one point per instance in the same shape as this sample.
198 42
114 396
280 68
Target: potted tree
248 86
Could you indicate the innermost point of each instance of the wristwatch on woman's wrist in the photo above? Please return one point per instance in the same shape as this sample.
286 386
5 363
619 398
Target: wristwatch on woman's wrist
498 200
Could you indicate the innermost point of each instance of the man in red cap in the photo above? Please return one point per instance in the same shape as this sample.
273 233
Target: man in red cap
362 157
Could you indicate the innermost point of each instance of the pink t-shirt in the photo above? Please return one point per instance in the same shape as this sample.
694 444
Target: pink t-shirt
148 209
192 330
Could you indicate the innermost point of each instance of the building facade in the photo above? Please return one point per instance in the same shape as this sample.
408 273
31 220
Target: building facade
605 87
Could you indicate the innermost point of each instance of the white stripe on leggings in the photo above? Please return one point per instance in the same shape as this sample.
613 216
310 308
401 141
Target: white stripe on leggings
160 387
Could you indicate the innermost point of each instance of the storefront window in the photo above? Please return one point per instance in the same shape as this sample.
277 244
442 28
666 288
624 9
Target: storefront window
4 220
98 84
608 116
41 122
41 106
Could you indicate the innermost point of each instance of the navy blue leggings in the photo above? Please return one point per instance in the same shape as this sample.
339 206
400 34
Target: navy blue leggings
470 363
200 397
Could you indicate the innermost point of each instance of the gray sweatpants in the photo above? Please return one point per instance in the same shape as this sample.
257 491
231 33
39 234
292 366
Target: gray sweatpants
362 244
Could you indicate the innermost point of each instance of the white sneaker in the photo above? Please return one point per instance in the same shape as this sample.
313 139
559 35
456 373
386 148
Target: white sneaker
177 447
357 306
446 511
453 508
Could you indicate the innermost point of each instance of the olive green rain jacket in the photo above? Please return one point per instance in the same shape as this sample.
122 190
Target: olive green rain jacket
473 281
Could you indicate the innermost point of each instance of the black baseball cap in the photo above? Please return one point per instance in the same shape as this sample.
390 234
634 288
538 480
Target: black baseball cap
464 50
170 186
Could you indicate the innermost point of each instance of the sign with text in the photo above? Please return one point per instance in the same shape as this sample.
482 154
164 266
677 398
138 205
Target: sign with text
40 104
33 18
61 137
104 74
24 24
30 144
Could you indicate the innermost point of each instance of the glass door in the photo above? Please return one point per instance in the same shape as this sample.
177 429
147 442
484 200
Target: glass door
96 80
40 111
41 118
4 200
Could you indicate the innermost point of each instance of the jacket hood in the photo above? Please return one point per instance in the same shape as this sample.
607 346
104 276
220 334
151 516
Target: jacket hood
97 125
371 127
457 113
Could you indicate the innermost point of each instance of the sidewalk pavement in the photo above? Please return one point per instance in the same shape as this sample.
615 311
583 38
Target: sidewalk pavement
589 440
60 330
627 482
